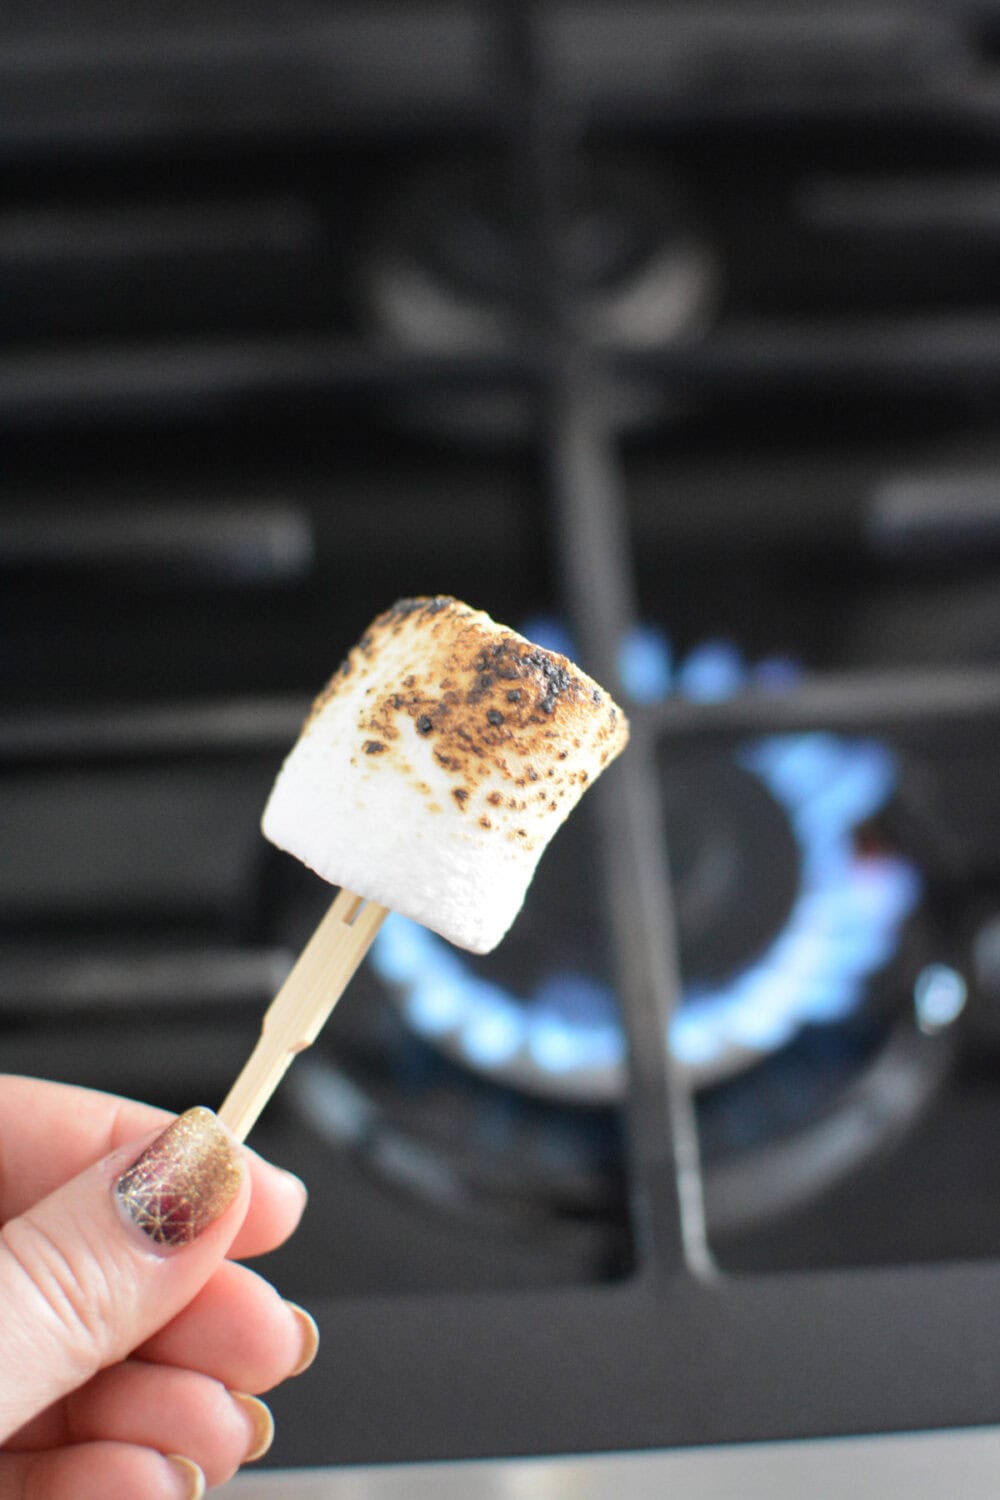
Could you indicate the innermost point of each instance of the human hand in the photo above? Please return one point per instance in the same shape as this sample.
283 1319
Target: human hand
124 1329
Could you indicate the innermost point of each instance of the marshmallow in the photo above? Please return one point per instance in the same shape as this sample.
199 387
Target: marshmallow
437 764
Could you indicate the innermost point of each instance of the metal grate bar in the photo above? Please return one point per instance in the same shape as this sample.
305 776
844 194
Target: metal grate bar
595 563
762 360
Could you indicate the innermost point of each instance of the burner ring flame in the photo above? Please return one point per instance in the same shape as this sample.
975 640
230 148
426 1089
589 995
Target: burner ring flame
845 924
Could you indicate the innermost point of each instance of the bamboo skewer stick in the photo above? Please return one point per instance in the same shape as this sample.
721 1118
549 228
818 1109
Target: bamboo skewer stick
299 1011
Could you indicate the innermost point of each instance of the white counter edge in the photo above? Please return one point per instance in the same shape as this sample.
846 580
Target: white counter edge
921 1466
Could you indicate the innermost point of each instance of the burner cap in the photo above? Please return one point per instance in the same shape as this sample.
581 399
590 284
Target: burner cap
445 271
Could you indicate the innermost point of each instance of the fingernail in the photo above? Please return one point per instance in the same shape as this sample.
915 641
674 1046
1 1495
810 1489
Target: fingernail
310 1338
190 1474
261 1425
183 1181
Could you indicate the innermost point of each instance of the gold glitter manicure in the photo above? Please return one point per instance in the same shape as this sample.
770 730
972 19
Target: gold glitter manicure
183 1181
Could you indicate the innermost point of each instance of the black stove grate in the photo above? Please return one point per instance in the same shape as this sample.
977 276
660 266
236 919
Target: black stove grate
655 318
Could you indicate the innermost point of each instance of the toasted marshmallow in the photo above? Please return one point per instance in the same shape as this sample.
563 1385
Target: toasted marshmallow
437 764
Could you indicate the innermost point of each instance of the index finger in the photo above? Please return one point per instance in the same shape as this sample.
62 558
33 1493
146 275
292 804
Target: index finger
49 1132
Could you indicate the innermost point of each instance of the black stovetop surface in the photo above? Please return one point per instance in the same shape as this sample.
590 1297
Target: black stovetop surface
667 333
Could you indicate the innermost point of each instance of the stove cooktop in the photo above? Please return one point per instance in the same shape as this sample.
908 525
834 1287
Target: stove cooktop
649 334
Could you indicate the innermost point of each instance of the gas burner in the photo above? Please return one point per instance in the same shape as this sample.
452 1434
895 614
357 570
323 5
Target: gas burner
538 1015
790 900
791 822
445 273
815 1023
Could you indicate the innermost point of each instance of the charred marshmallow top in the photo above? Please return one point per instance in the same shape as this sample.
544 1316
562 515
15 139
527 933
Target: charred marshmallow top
437 764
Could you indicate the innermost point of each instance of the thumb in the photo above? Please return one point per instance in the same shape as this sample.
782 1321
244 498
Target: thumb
93 1270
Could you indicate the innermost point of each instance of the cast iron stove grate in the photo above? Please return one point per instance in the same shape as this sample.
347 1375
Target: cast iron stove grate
652 321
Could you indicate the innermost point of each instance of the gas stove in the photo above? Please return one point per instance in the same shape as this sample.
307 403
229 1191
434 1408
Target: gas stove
669 335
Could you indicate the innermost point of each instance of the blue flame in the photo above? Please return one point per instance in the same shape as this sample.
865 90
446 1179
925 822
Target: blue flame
711 673
939 997
571 1025
844 926
646 665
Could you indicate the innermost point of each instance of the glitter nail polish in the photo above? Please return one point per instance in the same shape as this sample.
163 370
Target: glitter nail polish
183 1181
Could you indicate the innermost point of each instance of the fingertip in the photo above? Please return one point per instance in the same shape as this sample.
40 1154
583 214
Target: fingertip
295 1185
275 1178
309 1333
189 1479
289 1190
101 1471
277 1204
186 1180
260 1424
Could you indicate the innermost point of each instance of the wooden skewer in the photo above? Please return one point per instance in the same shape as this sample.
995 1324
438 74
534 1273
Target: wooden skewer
300 1009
